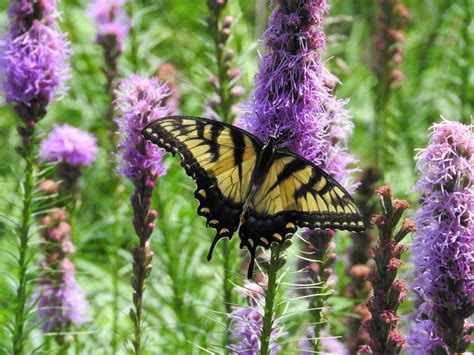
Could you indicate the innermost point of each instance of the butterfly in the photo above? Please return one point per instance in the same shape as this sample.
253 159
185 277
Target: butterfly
244 184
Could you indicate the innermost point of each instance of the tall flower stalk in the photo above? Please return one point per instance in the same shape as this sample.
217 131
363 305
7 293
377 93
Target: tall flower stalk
61 302
34 64
141 101
358 267
390 22
224 82
294 92
220 107
388 292
113 25
247 326
443 249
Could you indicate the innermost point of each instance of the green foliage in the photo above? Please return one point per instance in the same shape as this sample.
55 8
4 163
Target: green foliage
183 300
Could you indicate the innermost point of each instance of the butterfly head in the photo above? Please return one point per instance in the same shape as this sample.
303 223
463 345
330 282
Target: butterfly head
280 137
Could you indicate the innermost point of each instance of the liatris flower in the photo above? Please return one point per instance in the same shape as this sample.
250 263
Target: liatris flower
391 20
443 250
291 91
33 68
113 25
167 73
388 292
246 323
316 278
294 93
223 105
142 101
358 259
388 53
61 301
71 148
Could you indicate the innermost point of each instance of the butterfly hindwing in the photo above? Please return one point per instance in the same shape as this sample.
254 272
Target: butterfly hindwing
219 157
296 193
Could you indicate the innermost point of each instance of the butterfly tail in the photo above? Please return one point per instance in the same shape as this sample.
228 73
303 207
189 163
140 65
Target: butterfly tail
213 245
251 264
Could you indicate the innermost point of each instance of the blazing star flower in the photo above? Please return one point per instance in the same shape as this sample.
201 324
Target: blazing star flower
70 145
142 101
443 250
62 304
61 301
292 92
35 65
112 22
246 323
24 12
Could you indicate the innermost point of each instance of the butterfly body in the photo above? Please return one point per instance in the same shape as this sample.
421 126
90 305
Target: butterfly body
257 188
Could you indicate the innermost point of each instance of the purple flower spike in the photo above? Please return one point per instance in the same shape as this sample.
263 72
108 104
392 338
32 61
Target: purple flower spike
142 101
112 22
70 145
246 323
35 65
63 304
443 250
61 301
294 91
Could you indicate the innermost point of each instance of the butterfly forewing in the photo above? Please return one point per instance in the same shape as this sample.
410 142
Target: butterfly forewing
295 193
219 157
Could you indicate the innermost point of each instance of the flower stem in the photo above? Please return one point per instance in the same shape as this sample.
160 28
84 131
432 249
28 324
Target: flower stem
23 259
227 277
270 293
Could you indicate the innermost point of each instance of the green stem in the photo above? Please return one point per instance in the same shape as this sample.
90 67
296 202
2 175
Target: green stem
270 293
227 285
465 100
115 305
23 260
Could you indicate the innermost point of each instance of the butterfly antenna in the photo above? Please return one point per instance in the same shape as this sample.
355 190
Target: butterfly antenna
213 245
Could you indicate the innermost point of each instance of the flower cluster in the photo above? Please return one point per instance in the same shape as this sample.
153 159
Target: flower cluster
168 73
142 102
246 323
61 301
388 292
34 55
358 260
112 23
71 148
69 145
388 53
222 106
294 90
443 250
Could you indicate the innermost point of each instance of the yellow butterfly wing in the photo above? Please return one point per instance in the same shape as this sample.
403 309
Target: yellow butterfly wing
295 192
220 157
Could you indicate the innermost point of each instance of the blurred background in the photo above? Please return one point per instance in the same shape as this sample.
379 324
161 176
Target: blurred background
393 102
